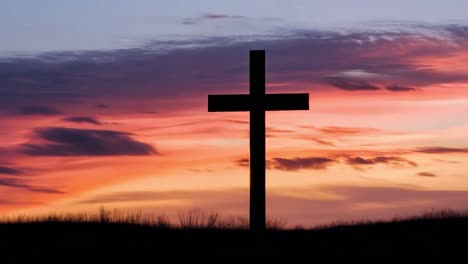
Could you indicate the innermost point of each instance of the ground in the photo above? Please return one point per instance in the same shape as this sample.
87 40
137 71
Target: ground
73 241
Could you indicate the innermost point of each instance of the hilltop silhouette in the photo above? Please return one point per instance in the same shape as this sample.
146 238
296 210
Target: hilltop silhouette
433 234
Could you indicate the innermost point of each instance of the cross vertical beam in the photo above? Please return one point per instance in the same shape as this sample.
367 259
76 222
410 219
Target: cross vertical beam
257 141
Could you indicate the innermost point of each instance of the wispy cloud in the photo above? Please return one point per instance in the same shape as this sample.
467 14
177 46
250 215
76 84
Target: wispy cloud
308 208
38 110
320 163
102 106
426 174
346 131
322 142
20 183
207 64
170 75
398 88
440 150
207 17
294 164
83 119
351 195
348 84
10 171
359 162
243 162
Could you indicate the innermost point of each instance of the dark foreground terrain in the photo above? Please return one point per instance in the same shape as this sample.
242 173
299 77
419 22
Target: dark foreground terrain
69 242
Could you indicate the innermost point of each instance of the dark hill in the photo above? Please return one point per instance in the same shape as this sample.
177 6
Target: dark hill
68 241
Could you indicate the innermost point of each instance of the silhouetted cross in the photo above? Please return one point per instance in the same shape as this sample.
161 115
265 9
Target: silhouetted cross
257 102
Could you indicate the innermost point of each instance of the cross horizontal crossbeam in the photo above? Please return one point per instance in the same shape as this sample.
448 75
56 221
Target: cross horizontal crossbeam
269 102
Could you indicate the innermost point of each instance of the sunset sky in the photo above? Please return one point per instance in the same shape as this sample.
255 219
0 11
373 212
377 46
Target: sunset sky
104 103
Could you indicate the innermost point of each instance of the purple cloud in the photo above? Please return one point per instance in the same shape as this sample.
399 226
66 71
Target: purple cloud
85 142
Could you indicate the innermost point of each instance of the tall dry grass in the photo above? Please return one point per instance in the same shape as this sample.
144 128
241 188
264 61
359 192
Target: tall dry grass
192 218
197 218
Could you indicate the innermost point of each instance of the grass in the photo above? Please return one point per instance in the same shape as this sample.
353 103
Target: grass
134 236
191 219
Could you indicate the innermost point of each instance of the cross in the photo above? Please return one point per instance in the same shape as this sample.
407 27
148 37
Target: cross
257 102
